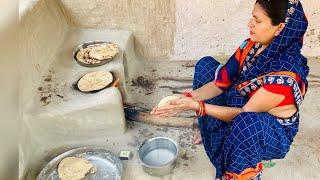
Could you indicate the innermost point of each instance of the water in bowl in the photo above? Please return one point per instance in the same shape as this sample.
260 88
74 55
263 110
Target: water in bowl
158 157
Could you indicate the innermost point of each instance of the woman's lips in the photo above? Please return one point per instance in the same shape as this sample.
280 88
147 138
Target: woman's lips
251 33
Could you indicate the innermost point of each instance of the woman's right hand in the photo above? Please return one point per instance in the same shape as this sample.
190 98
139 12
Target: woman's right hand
153 110
175 107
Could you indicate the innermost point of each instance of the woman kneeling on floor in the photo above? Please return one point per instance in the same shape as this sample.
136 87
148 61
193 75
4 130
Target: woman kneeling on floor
249 108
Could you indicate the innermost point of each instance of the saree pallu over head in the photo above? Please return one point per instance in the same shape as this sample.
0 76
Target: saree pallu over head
280 62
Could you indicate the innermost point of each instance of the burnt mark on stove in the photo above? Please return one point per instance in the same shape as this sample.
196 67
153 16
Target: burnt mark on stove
144 82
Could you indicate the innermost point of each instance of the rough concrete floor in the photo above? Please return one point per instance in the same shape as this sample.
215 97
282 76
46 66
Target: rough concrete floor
190 163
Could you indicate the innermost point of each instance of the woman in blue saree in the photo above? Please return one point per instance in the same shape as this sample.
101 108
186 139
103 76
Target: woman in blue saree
249 108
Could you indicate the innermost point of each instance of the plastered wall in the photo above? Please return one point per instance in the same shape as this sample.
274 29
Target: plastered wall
180 29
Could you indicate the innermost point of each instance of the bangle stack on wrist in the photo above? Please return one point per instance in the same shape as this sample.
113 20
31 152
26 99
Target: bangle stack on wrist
202 109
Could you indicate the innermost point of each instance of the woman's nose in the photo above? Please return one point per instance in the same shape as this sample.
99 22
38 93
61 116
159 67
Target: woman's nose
250 23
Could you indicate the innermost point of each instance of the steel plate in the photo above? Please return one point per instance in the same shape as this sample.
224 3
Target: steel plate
84 45
108 166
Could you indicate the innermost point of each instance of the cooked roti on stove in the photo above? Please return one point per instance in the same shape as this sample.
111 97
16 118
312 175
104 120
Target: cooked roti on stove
95 81
104 51
82 54
166 101
95 53
73 168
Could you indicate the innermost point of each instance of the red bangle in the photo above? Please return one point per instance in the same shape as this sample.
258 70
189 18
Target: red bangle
203 109
187 94
199 110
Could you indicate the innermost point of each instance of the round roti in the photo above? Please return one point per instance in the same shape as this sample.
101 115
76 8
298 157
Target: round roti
166 101
104 51
95 81
73 168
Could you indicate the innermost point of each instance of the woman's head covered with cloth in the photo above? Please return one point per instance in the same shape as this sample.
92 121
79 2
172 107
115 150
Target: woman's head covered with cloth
278 26
283 53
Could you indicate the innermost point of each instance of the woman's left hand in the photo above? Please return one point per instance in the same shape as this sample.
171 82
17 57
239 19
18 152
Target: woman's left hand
175 107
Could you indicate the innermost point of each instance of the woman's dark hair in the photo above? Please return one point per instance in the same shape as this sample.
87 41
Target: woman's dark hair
275 9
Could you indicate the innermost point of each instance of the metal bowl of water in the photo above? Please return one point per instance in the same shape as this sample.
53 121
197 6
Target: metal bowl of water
158 155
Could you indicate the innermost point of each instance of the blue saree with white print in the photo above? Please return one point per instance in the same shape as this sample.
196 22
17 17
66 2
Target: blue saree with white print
236 149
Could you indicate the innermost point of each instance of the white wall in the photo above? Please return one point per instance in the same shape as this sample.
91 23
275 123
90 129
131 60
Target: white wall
181 30
9 90
42 29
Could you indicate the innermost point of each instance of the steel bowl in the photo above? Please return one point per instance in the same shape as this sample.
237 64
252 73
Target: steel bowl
84 45
158 155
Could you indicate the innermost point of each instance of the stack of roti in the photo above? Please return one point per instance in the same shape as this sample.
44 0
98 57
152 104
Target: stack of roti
94 81
73 168
96 53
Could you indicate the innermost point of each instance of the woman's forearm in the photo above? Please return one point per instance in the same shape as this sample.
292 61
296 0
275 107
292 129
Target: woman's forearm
223 113
207 91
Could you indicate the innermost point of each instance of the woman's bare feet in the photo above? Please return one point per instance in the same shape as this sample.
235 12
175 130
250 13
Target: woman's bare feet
197 138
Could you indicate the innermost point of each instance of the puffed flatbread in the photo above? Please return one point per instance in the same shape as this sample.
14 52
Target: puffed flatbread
73 168
84 57
166 101
81 54
96 53
104 51
95 81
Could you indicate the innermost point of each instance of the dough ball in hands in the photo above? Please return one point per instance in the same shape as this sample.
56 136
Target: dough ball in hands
166 101
73 168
